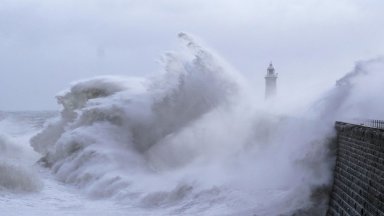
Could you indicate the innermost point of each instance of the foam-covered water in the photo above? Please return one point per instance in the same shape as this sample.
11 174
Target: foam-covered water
17 172
189 141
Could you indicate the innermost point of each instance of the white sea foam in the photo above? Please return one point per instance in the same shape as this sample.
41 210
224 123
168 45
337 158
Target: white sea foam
16 176
192 141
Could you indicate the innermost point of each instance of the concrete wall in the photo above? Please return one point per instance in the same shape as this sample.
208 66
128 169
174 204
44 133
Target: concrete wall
358 187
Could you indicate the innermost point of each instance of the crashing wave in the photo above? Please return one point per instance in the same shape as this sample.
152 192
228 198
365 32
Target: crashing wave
113 131
190 141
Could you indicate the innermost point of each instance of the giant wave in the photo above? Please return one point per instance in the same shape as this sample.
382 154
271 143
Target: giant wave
192 141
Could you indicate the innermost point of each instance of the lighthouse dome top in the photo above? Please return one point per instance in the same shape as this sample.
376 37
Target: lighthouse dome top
270 67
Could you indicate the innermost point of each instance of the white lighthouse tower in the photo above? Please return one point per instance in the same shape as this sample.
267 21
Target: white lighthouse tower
270 82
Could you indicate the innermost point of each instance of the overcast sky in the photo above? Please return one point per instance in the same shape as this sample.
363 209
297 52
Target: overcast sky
46 44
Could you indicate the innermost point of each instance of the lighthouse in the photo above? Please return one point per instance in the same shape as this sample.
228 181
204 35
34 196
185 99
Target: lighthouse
270 82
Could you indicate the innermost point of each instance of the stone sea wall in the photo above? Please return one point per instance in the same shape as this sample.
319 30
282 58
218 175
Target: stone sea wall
358 187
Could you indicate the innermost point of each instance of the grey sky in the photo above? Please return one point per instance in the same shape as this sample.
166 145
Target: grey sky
45 44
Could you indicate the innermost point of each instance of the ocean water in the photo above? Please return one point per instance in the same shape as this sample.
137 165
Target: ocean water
190 140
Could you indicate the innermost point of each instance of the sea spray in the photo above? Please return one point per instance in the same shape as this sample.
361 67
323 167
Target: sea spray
191 141
355 96
16 176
